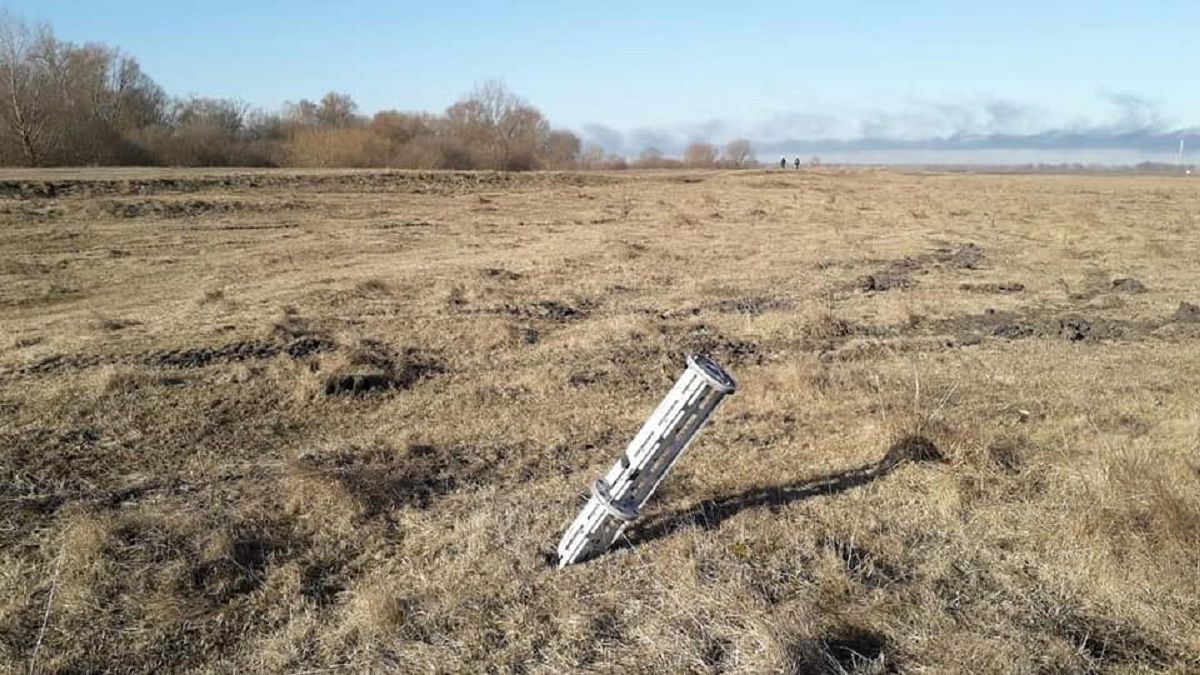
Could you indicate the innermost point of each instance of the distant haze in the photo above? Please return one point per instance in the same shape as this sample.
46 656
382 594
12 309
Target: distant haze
993 132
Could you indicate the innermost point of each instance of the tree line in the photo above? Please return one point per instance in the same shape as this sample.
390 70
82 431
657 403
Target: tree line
66 104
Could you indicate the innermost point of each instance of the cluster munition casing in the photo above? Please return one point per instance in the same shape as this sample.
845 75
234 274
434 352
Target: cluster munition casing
618 497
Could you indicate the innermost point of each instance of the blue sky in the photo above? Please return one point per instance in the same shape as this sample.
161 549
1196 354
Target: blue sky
634 74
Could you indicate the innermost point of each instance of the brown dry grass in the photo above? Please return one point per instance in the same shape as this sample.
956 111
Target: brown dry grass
337 421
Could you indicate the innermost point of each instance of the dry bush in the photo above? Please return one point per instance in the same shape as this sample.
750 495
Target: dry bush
349 147
426 153
738 153
700 155
652 158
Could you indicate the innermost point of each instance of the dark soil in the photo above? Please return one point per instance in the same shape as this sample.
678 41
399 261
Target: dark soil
907 264
185 357
501 274
1128 285
1006 454
359 383
551 310
1073 327
306 345
1001 287
881 281
1008 325
704 339
375 367
853 650
967 257
198 357
752 306
1080 329
190 208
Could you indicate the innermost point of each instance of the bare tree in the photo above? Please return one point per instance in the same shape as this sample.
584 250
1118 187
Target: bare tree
302 113
508 130
650 157
700 155
739 153
522 132
26 85
101 96
402 127
336 111
561 149
467 137
206 132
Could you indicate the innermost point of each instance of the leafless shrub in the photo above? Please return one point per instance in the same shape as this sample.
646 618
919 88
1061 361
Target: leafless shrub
349 147
700 155
652 158
739 153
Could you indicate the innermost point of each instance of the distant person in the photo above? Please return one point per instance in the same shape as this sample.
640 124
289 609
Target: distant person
797 163
783 163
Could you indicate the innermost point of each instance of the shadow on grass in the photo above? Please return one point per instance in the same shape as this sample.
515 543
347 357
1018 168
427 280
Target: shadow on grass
709 514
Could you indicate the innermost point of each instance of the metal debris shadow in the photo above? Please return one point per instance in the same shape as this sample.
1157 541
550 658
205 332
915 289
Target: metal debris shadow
709 514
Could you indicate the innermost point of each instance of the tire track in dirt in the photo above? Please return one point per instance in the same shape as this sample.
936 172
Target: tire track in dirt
179 358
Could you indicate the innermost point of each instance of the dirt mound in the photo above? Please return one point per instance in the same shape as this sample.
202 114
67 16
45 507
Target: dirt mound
100 187
374 366
32 211
897 272
999 287
906 264
414 182
751 306
308 344
968 257
240 570
1187 313
56 362
402 224
1005 454
704 339
1035 323
882 281
1080 329
501 274
1128 285
31 189
1007 325
199 357
551 310
911 449
193 208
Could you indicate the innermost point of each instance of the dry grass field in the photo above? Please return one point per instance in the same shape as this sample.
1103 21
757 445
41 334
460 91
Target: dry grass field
337 421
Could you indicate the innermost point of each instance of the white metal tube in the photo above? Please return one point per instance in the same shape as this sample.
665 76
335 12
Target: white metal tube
617 498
